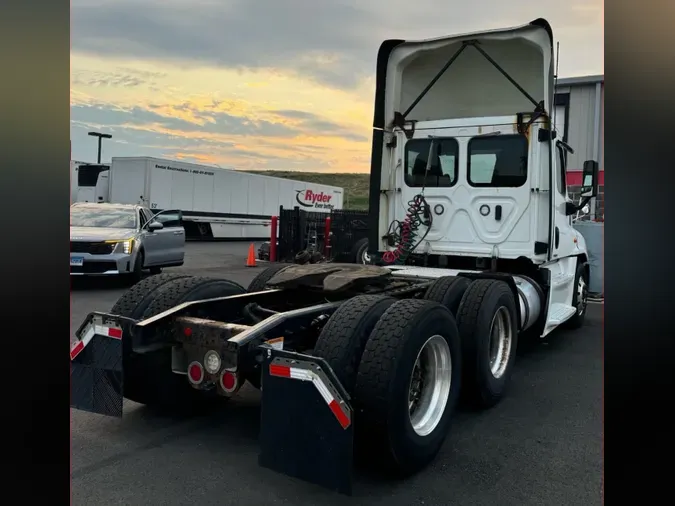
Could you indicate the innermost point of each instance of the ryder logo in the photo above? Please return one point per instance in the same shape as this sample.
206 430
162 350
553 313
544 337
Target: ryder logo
308 198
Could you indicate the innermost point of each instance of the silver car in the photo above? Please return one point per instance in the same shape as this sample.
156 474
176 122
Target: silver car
112 239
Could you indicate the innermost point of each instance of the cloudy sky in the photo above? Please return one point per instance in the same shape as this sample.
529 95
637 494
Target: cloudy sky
268 84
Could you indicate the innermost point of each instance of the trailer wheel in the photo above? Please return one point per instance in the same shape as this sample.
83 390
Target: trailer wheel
150 380
344 336
448 291
408 384
259 283
489 331
359 253
579 300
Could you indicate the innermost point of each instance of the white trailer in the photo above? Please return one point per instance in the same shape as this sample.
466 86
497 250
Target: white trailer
216 203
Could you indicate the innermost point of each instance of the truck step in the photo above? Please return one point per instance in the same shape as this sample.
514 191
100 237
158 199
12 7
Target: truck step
558 314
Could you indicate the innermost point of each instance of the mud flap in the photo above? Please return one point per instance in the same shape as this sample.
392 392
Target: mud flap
96 366
306 428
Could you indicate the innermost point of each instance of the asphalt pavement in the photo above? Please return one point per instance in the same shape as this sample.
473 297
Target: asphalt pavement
542 445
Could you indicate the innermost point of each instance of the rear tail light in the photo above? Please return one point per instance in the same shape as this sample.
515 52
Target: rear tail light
195 373
229 381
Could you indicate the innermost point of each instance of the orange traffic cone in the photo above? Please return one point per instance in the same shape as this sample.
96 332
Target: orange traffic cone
250 261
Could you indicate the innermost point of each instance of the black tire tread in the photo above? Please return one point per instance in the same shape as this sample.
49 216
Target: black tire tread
467 319
439 289
343 339
174 292
131 299
380 356
258 284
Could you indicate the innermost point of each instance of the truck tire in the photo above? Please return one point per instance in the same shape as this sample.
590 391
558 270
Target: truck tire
150 380
137 274
579 300
344 336
302 257
259 283
448 292
359 251
409 335
133 302
489 331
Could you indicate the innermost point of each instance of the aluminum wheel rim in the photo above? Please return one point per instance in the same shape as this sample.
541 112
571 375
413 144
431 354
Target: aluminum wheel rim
582 296
365 258
501 340
429 387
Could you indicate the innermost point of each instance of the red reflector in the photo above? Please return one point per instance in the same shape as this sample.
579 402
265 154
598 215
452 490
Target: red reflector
339 414
187 331
116 333
229 380
76 350
280 370
196 373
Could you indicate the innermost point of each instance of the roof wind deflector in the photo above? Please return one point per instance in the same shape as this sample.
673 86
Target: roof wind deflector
400 118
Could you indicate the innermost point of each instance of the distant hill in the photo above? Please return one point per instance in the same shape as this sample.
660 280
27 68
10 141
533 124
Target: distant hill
355 185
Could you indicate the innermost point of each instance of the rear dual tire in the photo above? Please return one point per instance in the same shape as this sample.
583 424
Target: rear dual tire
377 348
488 328
148 378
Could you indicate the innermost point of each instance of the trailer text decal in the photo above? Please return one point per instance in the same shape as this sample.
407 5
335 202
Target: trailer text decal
308 198
183 169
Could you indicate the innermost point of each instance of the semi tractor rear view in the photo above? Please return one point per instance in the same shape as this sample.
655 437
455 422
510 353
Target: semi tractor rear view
472 252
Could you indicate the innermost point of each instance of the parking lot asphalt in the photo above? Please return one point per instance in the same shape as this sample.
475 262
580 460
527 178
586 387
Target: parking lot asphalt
542 445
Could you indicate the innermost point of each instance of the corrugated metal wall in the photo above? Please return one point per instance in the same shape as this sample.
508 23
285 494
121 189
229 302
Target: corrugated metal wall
580 126
581 123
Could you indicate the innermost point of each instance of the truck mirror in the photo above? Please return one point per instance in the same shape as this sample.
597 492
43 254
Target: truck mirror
589 181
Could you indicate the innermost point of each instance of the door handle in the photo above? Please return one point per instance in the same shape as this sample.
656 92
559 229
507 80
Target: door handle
178 233
557 236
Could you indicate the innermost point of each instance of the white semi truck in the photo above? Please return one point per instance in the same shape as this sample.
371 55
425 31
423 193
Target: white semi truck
472 250
216 203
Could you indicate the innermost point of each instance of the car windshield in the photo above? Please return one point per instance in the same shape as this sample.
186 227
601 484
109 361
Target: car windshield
102 218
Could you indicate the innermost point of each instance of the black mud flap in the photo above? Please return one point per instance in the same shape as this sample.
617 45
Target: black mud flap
96 366
307 427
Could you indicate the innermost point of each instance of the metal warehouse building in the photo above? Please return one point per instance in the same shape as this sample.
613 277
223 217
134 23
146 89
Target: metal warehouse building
579 107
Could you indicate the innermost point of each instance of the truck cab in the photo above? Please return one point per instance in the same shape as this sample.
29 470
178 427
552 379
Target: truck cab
467 169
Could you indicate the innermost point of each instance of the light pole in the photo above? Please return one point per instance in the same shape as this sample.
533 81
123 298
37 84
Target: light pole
100 137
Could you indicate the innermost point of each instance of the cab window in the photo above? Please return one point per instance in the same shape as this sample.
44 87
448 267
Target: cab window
442 170
562 170
498 161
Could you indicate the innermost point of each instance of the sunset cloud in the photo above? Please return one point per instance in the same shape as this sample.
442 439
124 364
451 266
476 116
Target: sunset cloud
266 84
